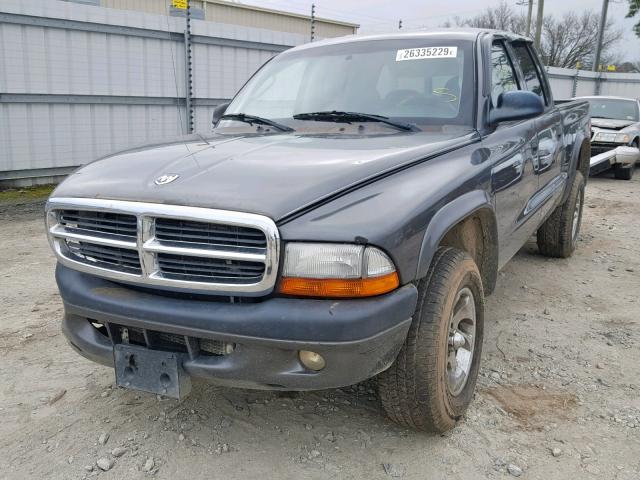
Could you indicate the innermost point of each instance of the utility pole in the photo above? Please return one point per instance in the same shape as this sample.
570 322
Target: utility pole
400 24
529 4
539 23
188 69
313 22
603 24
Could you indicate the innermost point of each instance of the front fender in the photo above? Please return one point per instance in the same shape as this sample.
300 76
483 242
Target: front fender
450 215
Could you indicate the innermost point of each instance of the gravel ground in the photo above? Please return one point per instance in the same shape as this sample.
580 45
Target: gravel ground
558 396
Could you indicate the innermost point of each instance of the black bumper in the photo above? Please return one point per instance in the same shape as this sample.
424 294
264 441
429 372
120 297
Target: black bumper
357 338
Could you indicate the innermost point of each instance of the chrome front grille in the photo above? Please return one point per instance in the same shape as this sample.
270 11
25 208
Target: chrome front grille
166 245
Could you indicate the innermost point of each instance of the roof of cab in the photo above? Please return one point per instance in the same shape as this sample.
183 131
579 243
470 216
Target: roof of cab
444 33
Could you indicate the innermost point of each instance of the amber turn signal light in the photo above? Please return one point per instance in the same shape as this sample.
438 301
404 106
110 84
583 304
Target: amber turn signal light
338 287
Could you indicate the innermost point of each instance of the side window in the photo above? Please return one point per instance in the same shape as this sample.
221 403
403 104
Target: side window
503 77
532 80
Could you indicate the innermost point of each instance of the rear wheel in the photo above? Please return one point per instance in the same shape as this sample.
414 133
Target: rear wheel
557 236
431 383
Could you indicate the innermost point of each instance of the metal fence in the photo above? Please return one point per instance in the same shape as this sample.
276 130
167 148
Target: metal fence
567 83
78 82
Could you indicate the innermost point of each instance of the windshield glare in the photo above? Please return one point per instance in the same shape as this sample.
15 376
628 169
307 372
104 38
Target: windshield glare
613 109
432 84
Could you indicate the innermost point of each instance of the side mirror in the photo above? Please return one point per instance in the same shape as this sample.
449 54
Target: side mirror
218 112
516 105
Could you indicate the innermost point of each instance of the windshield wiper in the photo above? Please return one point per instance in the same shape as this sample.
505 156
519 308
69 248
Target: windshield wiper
348 117
251 119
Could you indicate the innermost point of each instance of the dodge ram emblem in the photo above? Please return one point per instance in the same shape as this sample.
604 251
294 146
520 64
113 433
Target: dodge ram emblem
166 178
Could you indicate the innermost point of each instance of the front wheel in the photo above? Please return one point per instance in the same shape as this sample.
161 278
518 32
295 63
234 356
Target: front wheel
431 383
558 235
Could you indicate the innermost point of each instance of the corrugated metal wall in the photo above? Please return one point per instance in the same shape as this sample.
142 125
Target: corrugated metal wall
78 82
567 83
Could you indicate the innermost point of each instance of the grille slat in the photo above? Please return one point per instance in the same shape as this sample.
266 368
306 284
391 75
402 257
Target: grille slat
114 223
103 222
213 268
183 225
210 240
105 257
209 233
195 262
130 255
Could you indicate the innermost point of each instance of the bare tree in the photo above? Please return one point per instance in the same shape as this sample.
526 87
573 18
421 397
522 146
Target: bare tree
502 17
566 41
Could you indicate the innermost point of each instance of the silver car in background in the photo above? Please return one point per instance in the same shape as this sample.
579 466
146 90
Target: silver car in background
615 134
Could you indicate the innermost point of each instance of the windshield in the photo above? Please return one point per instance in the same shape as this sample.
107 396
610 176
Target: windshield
416 80
613 109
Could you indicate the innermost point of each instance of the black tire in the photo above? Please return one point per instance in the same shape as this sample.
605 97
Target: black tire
415 391
556 237
624 173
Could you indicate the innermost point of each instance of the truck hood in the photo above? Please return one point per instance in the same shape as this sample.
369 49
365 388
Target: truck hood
610 123
272 175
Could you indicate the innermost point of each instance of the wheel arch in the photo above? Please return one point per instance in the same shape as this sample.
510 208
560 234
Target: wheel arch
468 223
581 162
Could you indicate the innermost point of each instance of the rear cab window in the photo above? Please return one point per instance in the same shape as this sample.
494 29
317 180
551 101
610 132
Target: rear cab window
530 70
503 75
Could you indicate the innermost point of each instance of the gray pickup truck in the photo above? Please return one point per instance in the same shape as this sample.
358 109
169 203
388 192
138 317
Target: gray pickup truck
344 220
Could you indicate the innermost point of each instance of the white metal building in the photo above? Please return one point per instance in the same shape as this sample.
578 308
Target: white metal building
236 13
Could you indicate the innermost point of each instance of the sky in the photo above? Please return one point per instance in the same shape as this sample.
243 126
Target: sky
379 16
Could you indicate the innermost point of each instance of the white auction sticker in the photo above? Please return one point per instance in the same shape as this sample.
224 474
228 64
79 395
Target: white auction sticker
427 52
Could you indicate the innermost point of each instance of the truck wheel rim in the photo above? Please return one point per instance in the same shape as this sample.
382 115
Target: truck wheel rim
461 341
576 218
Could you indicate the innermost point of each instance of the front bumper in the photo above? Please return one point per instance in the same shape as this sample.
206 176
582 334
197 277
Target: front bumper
358 338
616 155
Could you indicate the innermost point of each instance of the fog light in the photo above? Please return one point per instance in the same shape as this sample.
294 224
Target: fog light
312 360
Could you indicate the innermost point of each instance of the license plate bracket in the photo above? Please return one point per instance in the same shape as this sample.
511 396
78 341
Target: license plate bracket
152 371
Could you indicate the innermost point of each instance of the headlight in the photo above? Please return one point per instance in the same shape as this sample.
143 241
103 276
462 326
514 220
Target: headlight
612 137
336 270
